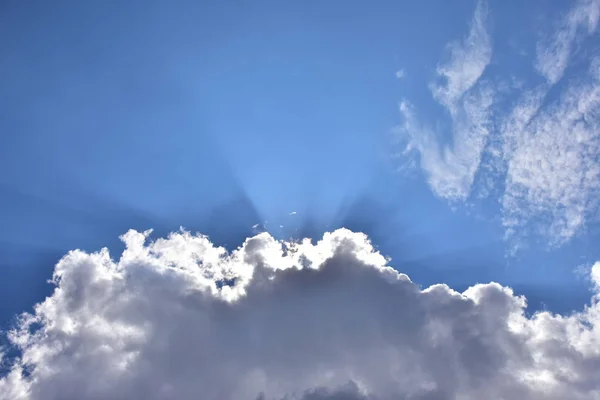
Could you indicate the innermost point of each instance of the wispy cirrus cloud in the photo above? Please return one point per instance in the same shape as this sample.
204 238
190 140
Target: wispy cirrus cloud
553 53
451 167
553 173
468 60
551 145
542 150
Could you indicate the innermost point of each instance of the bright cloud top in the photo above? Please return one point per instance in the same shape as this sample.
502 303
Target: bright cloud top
534 146
180 318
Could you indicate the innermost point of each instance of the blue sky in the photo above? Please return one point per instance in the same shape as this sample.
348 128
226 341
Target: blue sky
461 137
391 118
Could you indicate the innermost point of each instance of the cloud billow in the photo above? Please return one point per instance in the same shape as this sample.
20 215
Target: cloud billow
330 320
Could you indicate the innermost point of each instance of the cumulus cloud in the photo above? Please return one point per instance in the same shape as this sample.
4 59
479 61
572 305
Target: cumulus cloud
451 167
180 318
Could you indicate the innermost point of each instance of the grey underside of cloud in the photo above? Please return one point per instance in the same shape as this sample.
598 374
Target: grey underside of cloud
329 320
540 156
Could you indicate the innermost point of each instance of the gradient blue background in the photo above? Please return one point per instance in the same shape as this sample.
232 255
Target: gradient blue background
217 116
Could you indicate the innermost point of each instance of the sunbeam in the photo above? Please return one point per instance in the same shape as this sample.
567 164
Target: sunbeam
299 200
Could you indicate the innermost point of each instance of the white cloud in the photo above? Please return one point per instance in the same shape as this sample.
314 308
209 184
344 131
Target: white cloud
400 74
551 146
468 60
451 168
301 321
540 155
553 55
552 160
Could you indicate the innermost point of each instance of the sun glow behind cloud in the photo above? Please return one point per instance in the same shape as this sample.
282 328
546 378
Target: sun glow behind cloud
262 131
179 317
